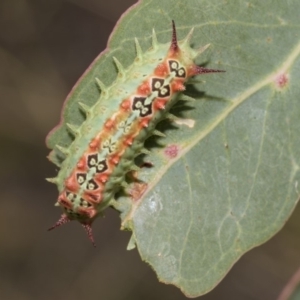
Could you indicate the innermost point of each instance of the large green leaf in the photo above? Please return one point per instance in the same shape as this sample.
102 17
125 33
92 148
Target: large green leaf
234 179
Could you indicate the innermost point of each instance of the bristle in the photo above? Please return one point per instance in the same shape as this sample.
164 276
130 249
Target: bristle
171 117
63 220
174 45
89 231
201 49
124 184
197 70
187 39
145 151
52 180
134 168
116 179
72 128
84 107
62 149
101 85
126 163
186 98
138 49
121 70
158 133
132 243
154 40
53 158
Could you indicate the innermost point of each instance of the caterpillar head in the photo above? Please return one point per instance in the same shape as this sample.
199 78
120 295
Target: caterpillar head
76 208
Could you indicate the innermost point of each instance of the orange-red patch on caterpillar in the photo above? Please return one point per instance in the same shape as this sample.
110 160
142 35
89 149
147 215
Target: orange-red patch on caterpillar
178 85
102 178
128 141
144 89
71 183
109 124
82 165
89 212
95 143
114 159
161 70
160 104
125 105
93 196
144 122
64 202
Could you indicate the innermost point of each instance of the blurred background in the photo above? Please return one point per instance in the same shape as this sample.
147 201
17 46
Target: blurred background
45 46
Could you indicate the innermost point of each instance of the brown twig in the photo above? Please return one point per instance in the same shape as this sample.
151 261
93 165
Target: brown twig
290 286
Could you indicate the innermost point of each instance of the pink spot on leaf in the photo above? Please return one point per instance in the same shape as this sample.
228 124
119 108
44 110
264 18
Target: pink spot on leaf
281 80
171 151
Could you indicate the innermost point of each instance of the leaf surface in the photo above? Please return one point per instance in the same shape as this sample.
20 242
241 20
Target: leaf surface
230 182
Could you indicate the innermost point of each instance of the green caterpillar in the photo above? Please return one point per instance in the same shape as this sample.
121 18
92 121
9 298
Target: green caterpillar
106 144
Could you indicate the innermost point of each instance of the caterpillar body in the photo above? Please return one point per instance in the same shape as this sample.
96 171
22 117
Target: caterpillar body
106 144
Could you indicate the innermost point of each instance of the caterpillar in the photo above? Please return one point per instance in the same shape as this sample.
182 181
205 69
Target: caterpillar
107 142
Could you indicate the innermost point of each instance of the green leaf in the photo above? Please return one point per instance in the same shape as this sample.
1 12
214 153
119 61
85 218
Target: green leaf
234 180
